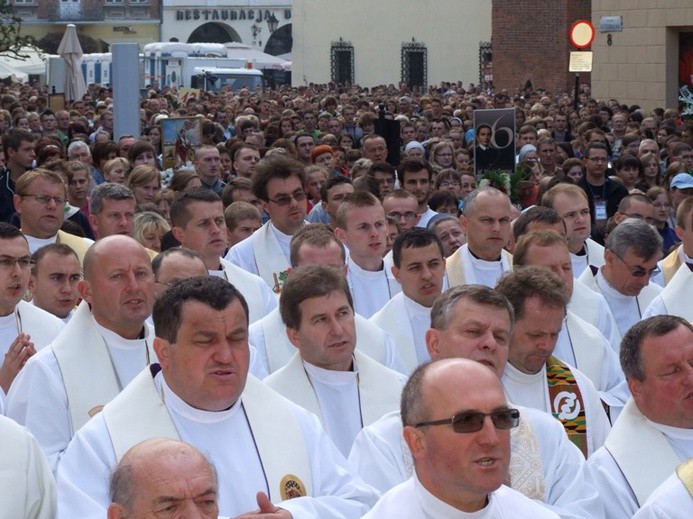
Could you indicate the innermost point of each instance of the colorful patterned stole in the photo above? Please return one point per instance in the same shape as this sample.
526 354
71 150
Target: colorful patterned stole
566 402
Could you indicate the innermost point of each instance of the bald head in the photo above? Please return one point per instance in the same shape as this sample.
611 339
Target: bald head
159 473
106 247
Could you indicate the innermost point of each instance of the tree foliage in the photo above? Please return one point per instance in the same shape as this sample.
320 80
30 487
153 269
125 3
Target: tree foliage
11 40
51 41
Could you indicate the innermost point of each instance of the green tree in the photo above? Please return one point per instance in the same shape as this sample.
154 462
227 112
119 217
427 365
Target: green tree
51 41
11 40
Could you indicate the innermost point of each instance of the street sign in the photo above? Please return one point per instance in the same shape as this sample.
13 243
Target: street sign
582 34
580 61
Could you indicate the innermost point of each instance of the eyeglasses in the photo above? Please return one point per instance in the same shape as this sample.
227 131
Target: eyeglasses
409 215
445 183
638 272
473 421
284 200
45 199
8 262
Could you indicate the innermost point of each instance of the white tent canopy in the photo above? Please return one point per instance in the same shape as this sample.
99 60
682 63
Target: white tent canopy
260 59
6 71
35 63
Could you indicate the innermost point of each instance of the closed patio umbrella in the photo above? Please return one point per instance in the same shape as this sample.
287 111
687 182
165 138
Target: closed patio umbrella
71 51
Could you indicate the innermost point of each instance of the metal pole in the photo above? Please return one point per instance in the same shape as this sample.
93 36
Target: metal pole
577 89
126 89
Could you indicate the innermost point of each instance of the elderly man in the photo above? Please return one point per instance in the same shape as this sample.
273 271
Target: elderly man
39 199
475 322
631 254
278 182
164 476
24 328
457 425
317 245
572 205
419 267
27 489
486 222
534 377
102 348
199 224
201 394
345 388
653 434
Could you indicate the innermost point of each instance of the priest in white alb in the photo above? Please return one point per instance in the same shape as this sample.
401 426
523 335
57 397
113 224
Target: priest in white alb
486 222
419 267
278 183
316 244
673 499
654 434
534 377
474 322
262 445
105 344
343 387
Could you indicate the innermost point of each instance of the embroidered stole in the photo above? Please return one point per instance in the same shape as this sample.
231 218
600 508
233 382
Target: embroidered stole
271 263
86 367
671 264
140 413
526 466
685 473
642 453
567 404
676 295
460 271
76 243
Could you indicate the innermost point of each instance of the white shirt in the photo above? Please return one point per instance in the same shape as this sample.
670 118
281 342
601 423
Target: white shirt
226 437
37 397
412 501
382 458
426 217
243 254
531 390
420 320
626 309
482 272
370 290
671 500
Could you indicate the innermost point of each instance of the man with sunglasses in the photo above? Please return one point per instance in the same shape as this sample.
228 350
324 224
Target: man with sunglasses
278 183
474 322
632 251
457 426
534 377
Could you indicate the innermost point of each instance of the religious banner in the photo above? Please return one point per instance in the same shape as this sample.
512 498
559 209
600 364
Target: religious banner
494 149
181 136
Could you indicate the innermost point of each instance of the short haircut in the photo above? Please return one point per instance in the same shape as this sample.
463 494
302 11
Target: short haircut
536 213
332 182
413 408
470 199
400 194
140 147
212 291
108 191
24 182
625 161
308 282
413 165
77 145
183 251
541 238
10 232
147 221
56 248
595 146
355 200
625 203
638 235
414 238
683 212
235 184
382 166
275 166
102 150
533 281
441 198
179 213
631 344
236 212
562 188
14 138
444 306
111 164
435 222
318 235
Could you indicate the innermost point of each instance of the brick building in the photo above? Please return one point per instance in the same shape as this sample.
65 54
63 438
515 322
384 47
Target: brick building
530 42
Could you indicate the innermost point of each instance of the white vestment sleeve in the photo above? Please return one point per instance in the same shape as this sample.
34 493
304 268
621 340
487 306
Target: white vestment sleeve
608 326
256 337
37 400
243 255
656 307
671 500
393 360
256 366
617 497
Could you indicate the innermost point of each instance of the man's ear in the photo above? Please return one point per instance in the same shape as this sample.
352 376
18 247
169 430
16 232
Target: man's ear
293 337
162 350
84 289
178 233
416 441
463 223
433 343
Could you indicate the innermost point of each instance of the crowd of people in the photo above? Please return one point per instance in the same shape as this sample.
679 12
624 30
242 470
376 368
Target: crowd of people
317 317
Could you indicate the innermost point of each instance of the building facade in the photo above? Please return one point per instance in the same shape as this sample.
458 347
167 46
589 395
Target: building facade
108 21
389 41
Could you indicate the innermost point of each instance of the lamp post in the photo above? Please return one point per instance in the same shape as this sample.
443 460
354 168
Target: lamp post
272 23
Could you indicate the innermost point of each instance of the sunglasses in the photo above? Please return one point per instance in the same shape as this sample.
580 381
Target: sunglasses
473 421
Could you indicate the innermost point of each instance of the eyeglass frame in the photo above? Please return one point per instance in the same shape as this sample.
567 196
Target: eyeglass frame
284 200
46 199
9 262
454 420
640 273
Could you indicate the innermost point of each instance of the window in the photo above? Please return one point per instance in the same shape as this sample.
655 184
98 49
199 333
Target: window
342 61
415 64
